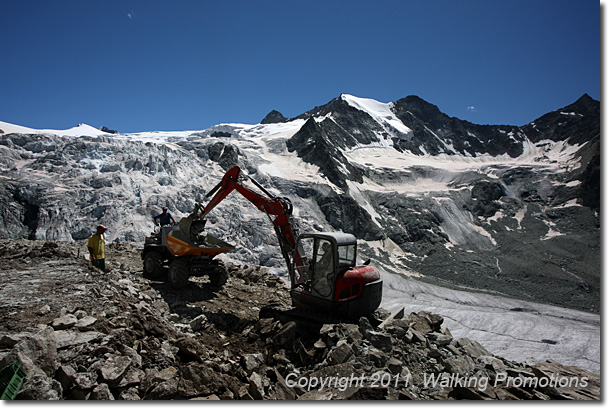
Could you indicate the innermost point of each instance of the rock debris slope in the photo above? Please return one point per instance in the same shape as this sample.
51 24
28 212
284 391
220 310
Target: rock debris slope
84 334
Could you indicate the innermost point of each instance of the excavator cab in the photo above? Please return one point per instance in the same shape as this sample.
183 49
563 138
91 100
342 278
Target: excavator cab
326 278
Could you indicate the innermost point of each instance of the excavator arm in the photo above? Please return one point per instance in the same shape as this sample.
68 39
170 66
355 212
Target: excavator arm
277 209
350 291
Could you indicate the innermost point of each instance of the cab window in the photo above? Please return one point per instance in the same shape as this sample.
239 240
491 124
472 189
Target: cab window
347 255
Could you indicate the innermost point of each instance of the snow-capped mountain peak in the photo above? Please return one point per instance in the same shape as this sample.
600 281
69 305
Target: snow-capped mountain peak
79 130
382 113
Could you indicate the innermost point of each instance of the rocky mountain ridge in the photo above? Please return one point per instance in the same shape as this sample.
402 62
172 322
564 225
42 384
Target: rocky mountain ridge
434 133
491 197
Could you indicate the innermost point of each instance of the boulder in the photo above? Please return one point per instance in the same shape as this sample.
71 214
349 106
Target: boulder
257 386
252 361
380 340
135 357
65 375
440 338
348 331
285 335
37 352
459 365
375 356
114 368
163 391
85 380
394 366
396 315
10 340
281 389
339 354
153 377
85 323
40 387
492 363
212 397
129 394
367 393
364 325
133 377
197 379
190 350
101 392
426 322
197 323
69 338
472 348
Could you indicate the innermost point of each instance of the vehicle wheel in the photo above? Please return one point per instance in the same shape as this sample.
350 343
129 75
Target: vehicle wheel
218 275
179 274
153 266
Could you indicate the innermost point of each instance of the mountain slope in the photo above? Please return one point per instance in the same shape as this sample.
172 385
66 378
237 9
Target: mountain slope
576 123
504 210
479 205
496 208
436 133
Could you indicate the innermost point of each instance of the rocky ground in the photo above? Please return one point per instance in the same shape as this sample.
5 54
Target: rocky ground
83 334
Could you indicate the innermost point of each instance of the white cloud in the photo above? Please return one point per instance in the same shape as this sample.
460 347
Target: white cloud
472 108
131 15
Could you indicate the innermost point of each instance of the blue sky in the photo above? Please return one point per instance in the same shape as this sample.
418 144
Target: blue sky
187 65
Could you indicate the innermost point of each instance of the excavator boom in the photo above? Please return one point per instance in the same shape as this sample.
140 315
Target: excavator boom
278 208
321 265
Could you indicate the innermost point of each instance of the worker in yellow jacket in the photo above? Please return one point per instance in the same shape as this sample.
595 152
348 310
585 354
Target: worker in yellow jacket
96 248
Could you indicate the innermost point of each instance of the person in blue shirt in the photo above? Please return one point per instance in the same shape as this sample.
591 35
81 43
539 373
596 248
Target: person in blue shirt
164 218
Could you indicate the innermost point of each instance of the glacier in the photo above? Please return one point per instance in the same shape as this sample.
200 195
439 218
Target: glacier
73 179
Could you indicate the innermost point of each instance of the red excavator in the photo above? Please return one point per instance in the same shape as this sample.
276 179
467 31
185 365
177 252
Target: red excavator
322 265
